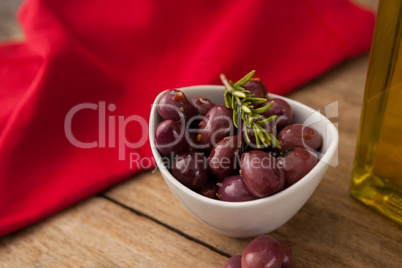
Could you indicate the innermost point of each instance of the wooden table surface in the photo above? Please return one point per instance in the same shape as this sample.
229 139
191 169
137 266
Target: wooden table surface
136 224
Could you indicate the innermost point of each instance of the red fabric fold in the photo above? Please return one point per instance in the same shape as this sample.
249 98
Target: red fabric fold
75 96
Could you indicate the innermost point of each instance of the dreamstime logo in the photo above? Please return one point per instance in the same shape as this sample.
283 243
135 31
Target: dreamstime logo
112 133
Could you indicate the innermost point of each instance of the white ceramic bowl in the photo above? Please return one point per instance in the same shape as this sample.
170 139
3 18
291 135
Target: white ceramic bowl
251 218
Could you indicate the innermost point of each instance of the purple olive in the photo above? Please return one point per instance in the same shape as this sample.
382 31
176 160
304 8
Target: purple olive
216 125
202 105
301 136
170 138
233 189
256 87
282 110
233 262
224 156
174 105
288 255
191 138
297 163
261 173
210 190
263 251
191 170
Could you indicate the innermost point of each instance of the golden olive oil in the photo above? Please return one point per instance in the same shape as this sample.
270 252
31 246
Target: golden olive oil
377 170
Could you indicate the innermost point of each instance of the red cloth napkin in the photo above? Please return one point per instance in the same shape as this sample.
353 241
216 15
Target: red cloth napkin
76 94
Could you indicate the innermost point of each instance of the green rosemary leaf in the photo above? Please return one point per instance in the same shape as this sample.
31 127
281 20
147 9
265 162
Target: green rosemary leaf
266 120
263 139
239 94
257 116
260 132
248 104
246 132
254 100
268 137
246 109
263 109
235 116
275 143
227 97
233 101
239 88
250 121
257 140
245 79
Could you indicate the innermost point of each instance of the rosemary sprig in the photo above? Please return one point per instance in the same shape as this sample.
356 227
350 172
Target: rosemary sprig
242 103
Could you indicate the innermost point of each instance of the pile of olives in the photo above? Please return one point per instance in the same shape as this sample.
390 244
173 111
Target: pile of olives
208 154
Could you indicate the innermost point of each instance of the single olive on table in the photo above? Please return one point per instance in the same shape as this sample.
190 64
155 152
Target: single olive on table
264 251
233 262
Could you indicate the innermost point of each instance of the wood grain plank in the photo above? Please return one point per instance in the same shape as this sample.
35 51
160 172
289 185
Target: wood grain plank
99 233
149 194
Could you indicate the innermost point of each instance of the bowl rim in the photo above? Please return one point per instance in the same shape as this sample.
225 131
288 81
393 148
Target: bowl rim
324 160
